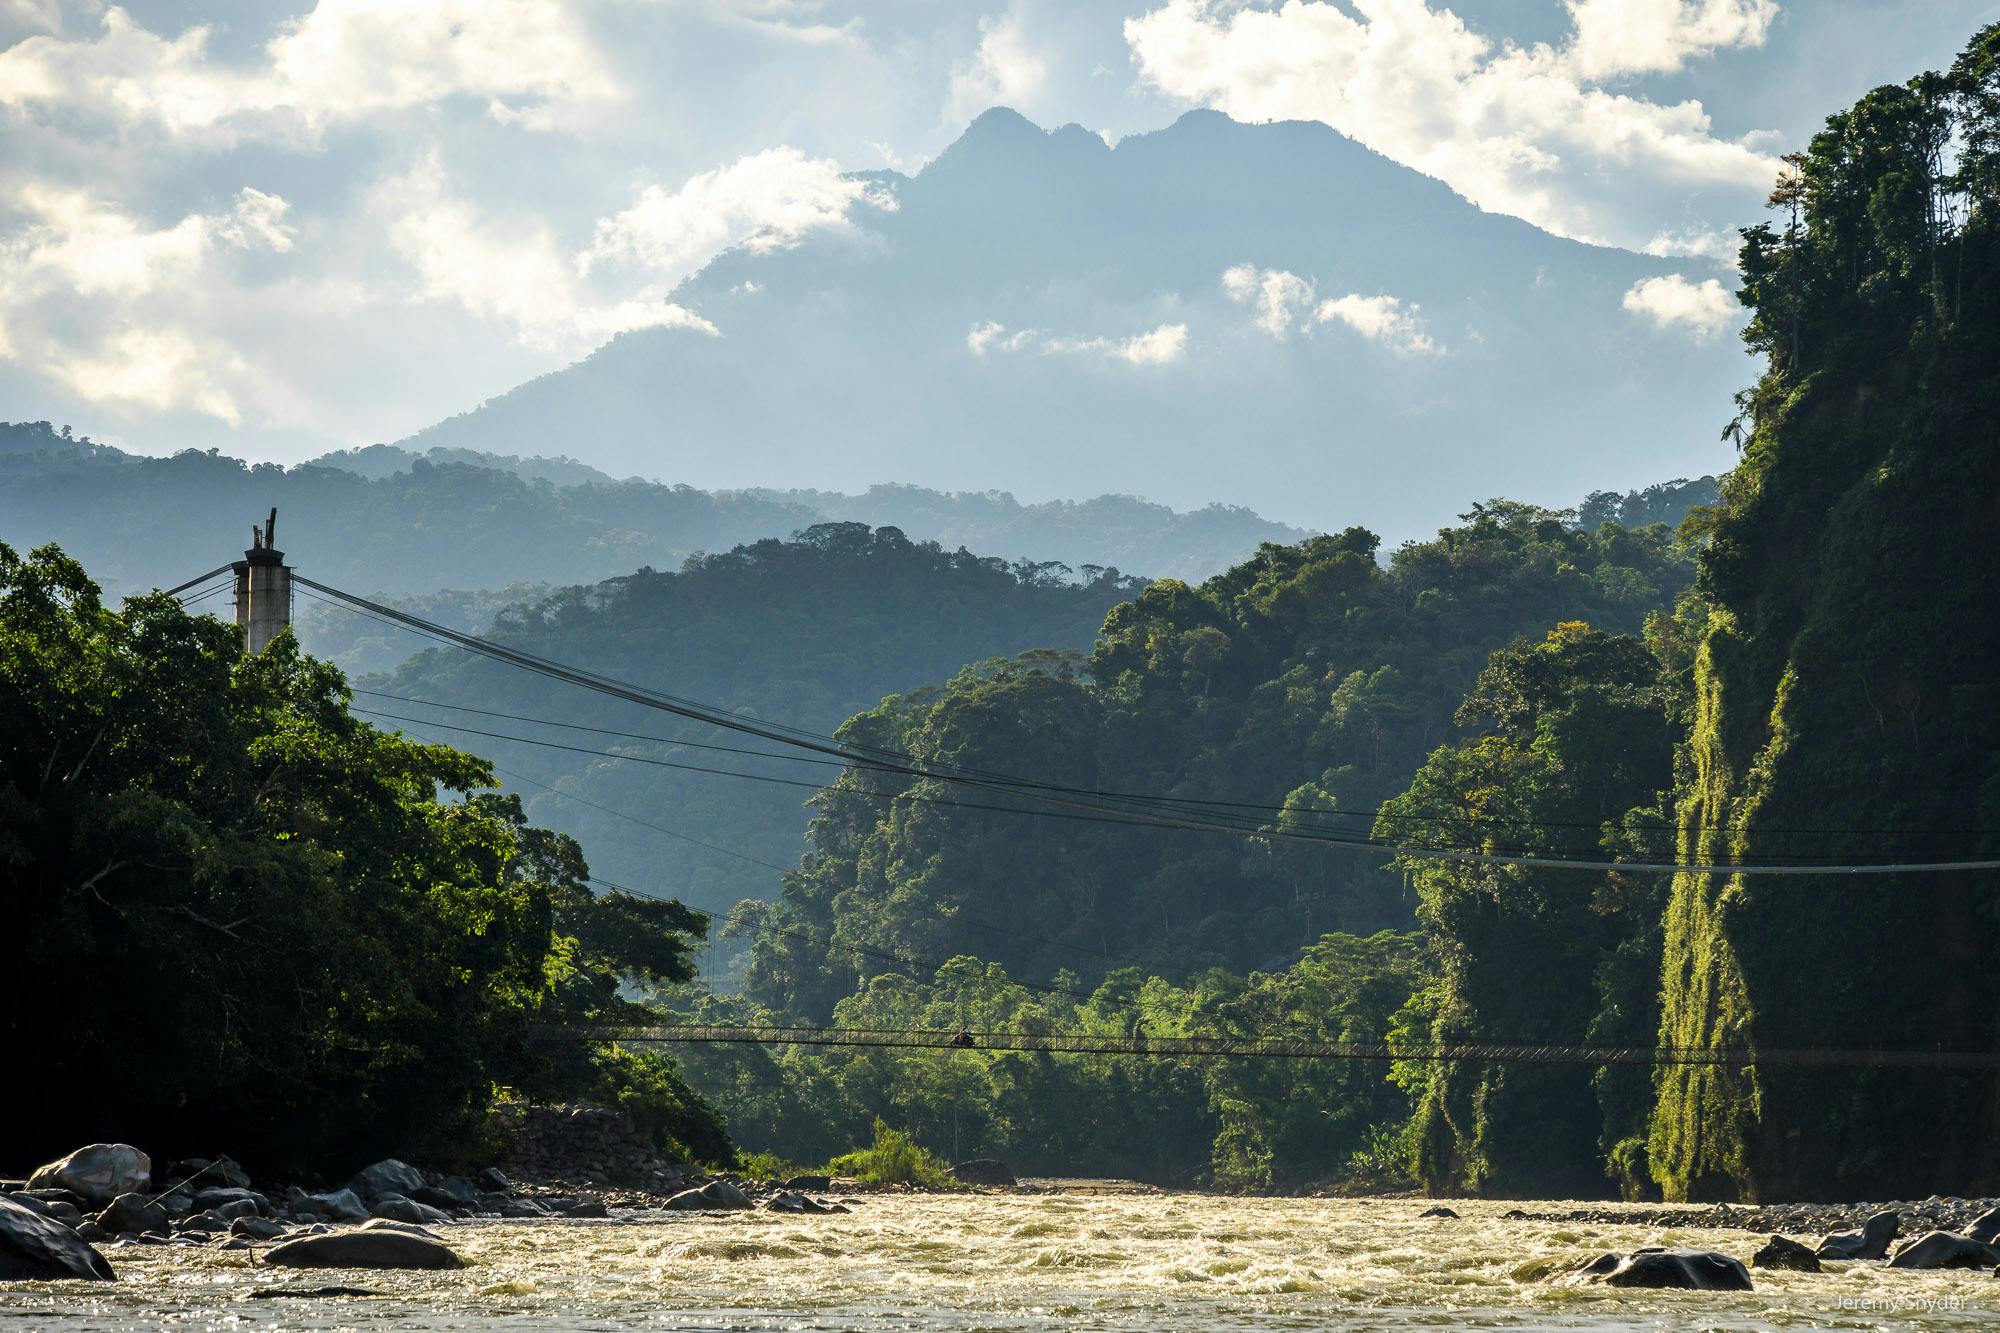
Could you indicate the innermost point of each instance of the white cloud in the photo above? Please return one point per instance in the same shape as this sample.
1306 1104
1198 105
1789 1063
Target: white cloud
1616 37
1159 346
1521 130
343 60
1382 319
1279 297
153 368
1703 309
138 289
1285 303
516 275
766 201
1006 70
1695 242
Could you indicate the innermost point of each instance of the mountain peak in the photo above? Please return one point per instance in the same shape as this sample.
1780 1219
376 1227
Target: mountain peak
1002 132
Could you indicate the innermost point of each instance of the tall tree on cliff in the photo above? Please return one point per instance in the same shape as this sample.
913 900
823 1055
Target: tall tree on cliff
1847 703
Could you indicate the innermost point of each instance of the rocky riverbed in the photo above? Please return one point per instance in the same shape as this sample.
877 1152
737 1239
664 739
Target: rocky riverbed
724 1252
1008 1261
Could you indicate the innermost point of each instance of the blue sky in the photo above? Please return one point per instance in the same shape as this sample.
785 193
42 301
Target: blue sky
277 230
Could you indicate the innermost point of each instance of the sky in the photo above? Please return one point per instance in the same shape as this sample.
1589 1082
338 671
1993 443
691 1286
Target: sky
280 229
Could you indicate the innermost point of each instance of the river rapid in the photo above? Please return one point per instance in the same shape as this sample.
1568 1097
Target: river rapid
1078 1259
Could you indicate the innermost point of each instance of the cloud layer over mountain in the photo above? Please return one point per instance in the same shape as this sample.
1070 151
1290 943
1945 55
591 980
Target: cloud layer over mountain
283 226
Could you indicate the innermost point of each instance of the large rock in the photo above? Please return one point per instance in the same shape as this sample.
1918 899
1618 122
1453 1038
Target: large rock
132 1212
387 1177
451 1192
34 1247
1868 1241
1782 1252
399 1209
800 1203
98 1174
340 1205
715 1194
228 1194
1985 1228
1945 1249
383 1247
979 1171
1683 1270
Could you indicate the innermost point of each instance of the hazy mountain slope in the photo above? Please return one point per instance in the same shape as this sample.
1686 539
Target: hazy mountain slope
848 359
385 520
806 632
1120 531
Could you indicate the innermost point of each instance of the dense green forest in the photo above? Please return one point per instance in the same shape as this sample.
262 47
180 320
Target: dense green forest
1846 703
807 632
411 525
1313 679
247 918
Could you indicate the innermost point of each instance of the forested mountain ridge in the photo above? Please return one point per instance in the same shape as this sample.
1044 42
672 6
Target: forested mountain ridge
1311 678
1846 694
1040 311
387 520
805 632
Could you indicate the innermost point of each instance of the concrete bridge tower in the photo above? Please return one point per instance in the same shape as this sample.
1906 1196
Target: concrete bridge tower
263 588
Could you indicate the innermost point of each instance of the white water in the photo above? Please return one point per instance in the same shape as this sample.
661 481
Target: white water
1110 1261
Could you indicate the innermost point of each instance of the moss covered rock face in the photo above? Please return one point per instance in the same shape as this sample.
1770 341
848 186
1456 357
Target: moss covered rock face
1848 702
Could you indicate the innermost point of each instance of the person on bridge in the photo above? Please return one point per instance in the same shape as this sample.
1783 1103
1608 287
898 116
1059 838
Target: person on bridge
962 1038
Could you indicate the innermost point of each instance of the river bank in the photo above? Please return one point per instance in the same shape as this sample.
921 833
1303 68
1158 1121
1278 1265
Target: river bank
1006 1261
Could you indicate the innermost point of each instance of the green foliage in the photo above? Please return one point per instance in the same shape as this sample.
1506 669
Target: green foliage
1668 502
766 1165
252 919
1233 1123
1844 695
808 631
894 1159
1311 679
650 1089
1581 735
1383 1163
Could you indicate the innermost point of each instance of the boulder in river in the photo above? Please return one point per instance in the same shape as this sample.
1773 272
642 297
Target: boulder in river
399 1209
340 1205
812 1182
257 1228
132 1212
372 1247
1985 1228
1945 1249
493 1180
1868 1241
451 1192
1682 1270
97 1174
1781 1252
801 1203
981 1171
387 1177
34 1247
217 1197
715 1194
1438 1210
